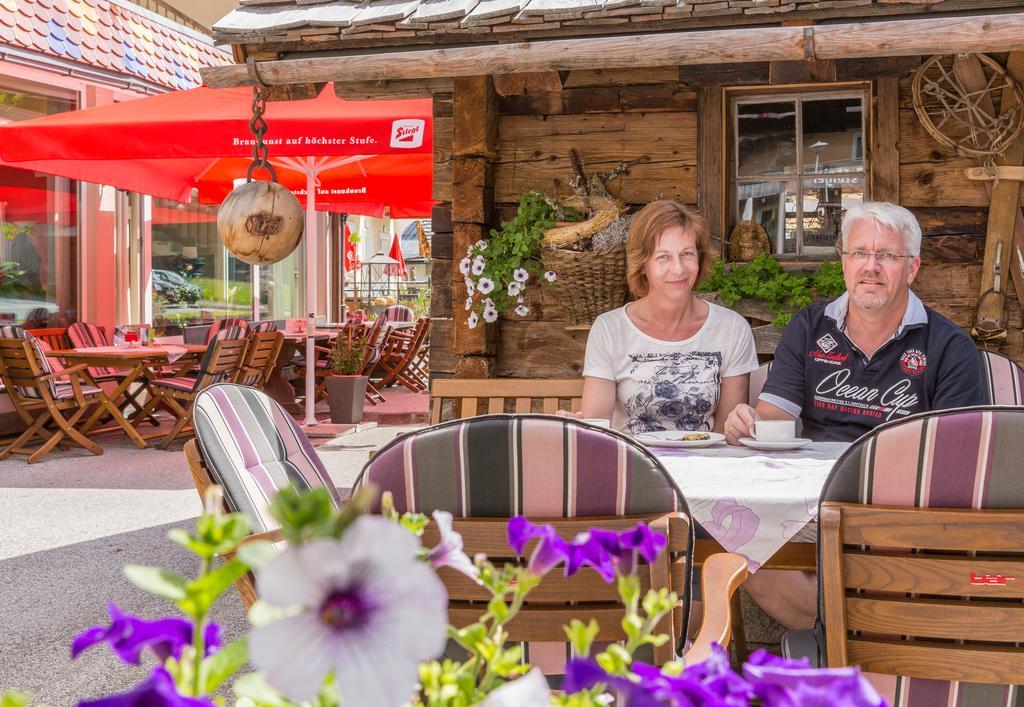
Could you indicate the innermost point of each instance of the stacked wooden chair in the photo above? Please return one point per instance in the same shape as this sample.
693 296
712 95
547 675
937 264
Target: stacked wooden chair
554 470
220 363
404 357
269 325
221 324
921 559
260 357
50 402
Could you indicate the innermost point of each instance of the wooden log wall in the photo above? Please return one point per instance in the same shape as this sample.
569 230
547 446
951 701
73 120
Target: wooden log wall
610 116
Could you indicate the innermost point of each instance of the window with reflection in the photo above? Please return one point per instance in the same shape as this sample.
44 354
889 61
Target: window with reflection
194 278
39 247
797 165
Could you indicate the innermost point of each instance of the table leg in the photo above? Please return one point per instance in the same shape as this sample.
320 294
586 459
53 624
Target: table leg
119 391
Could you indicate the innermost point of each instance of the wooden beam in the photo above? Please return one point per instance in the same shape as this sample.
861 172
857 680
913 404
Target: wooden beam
387 89
945 35
711 161
885 155
535 82
1003 172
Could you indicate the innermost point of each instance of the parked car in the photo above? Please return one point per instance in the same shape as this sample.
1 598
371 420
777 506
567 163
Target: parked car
174 287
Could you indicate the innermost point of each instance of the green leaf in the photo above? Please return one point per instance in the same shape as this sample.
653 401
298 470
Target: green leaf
469 637
201 593
581 635
15 699
498 609
257 553
160 582
223 664
255 687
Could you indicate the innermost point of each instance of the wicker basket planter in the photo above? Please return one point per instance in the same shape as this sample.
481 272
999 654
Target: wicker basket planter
589 283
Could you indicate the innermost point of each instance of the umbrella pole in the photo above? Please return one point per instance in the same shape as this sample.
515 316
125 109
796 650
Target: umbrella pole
310 291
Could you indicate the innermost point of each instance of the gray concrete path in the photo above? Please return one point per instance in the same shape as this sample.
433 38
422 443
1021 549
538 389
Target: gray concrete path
70 523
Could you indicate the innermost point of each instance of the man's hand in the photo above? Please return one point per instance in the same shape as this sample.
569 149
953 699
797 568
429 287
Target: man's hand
565 413
740 423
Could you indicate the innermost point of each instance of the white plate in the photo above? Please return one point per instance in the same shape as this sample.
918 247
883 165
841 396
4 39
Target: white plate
795 443
672 439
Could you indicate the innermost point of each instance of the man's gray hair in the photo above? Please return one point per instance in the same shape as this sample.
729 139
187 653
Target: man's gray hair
887 215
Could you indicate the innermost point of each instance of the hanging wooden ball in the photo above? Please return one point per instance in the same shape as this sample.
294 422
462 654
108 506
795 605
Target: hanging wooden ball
260 222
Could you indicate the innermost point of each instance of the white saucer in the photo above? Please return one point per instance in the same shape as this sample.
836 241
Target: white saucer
794 443
672 439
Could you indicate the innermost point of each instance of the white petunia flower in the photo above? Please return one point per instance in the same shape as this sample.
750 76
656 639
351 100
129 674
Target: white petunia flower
470 288
550 276
519 299
522 310
464 265
449 552
530 690
520 275
490 315
473 320
514 288
469 303
481 244
485 285
368 609
478 265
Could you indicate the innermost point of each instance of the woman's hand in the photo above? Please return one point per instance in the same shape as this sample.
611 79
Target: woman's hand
740 423
566 413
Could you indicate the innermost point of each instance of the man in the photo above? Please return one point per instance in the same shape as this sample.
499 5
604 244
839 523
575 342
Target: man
843 367
873 355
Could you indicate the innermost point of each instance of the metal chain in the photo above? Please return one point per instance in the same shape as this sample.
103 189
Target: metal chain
258 127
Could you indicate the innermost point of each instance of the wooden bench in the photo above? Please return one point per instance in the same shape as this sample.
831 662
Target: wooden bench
459 398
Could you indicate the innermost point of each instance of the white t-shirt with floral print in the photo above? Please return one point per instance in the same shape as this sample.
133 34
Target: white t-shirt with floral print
668 385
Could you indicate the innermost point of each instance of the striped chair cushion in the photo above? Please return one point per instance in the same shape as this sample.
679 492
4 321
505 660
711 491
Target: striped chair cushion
537 465
1002 379
84 335
225 323
186 383
12 331
253 448
64 391
204 380
757 381
263 326
398 313
961 458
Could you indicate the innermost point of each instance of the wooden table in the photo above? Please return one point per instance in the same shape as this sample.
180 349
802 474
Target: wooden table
279 385
141 362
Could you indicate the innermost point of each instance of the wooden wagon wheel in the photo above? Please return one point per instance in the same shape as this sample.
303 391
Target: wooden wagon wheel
956 115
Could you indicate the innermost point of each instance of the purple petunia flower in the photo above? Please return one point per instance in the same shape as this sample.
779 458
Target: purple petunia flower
640 540
778 682
129 635
157 691
550 551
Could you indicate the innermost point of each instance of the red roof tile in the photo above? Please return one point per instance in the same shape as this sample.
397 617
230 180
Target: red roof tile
100 33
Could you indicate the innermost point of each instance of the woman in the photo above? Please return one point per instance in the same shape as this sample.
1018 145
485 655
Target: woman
669 360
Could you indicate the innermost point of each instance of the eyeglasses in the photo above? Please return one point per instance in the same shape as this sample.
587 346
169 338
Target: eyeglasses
862 256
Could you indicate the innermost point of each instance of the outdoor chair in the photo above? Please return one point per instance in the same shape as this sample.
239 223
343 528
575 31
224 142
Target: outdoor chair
398 314
484 470
757 380
269 325
249 445
42 396
1002 380
370 358
921 559
220 324
459 398
220 363
404 356
260 358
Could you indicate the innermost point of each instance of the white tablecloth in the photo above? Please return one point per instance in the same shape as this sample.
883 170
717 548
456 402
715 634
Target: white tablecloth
751 501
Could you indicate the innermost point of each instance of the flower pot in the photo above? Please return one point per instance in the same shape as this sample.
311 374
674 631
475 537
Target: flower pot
345 396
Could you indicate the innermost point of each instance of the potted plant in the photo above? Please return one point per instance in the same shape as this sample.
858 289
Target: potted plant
346 386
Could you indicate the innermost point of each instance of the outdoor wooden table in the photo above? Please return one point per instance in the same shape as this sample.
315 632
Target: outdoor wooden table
279 385
753 502
141 362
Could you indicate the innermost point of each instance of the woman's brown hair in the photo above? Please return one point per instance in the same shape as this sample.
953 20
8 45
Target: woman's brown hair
648 225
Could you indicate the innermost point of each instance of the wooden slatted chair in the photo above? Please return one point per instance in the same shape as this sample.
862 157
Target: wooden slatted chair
403 357
51 403
268 325
921 559
373 334
220 324
260 358
484 470
1002 380
220 363
398 314
459 398
273 452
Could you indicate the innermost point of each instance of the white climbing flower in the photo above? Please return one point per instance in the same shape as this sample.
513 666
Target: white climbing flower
481 244
550 276
470 288
489 304
469 303
464 265
478 265
520 275
485 285
514 288
490 315
473 320
522 310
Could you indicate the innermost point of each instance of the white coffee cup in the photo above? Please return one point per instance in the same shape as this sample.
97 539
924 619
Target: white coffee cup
774 430
597 421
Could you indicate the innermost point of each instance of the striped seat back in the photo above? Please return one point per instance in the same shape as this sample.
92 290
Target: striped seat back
757 380
221 324
253 448
966 458
1002 379
20 371
269 325
398 313
85 335
540 466
223 357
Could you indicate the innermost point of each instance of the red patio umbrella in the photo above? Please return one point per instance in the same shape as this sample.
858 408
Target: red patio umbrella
169 144
396 253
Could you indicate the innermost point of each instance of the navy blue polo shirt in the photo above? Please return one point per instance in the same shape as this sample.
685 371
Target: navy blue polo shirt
820 376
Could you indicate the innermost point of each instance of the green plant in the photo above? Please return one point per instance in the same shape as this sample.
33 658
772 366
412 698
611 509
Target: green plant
347 355
498 270
764 278
10 278
421 305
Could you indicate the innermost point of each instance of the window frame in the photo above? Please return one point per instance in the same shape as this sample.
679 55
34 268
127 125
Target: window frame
735 96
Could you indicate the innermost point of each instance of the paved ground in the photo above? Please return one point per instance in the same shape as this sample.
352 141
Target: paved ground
71 523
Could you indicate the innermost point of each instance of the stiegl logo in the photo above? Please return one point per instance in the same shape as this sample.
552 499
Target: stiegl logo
997 579
407 133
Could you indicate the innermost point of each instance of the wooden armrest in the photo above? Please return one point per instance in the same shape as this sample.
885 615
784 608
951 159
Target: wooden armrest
273 535
723 574
71 370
